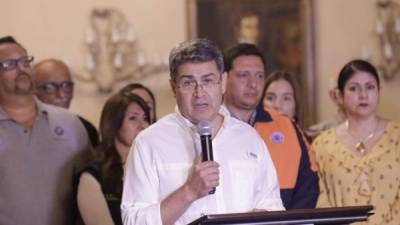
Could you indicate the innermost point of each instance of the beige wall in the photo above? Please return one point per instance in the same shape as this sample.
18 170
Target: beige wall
343 27
55 28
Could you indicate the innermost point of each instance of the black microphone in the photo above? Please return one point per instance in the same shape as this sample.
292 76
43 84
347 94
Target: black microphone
204 128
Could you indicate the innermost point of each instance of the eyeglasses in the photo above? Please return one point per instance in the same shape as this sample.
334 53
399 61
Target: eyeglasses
190 84
11 64
52 88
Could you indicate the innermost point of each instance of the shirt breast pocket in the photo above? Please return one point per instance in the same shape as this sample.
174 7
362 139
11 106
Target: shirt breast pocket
243 178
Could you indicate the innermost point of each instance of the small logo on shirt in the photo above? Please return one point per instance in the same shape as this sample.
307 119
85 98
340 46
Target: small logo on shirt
252 155
58 130
277 137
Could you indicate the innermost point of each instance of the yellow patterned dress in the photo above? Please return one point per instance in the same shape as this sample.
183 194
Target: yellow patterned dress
350 180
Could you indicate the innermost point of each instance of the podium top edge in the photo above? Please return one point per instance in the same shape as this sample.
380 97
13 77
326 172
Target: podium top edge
316 213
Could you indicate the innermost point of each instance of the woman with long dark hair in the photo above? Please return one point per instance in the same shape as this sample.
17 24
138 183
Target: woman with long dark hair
145 93
100 184
359 160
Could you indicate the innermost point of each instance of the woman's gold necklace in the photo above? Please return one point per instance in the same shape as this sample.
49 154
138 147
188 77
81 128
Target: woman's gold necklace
360 146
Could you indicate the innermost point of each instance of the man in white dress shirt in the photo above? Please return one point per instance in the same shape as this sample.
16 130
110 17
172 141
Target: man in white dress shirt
166 180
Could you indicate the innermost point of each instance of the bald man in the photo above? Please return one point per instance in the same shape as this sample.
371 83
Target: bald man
54 86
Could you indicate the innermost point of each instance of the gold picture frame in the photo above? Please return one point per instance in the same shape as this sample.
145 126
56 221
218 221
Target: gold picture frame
285 36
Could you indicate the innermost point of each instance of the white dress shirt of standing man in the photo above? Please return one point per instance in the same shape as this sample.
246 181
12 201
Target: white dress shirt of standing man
166 180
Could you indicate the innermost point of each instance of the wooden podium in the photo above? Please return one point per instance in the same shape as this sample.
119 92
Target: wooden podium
331 216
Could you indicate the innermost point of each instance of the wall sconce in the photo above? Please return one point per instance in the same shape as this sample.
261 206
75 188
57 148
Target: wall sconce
388 30
113 53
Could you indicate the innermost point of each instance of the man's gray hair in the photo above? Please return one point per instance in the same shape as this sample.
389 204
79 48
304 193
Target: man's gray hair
194 51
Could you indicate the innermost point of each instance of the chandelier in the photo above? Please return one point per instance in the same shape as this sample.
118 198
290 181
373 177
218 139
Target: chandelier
388 31
113 52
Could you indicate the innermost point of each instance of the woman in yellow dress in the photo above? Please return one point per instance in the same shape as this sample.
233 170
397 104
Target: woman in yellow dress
359 160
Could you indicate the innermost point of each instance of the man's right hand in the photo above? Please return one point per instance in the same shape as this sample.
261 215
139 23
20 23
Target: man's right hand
203 177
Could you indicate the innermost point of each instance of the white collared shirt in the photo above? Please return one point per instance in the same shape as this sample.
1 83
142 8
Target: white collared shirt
160 159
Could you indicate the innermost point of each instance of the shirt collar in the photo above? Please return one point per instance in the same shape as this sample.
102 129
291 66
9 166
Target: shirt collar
3 114
262 115
252 119
41 109
186 124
